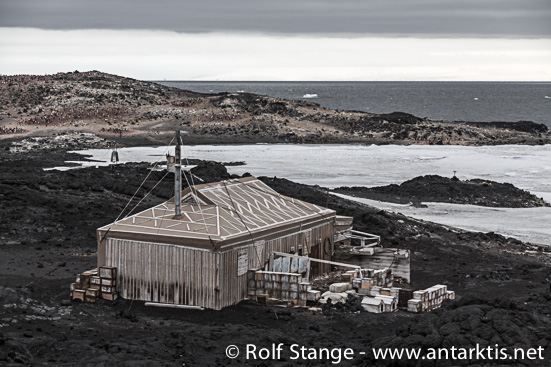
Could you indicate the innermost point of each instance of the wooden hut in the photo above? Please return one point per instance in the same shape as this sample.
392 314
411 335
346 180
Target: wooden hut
201 256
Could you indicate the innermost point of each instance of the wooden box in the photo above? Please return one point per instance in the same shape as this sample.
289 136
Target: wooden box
90 299
78 294
108 282
414 305
367 283
110 296
385 292
93 292
108 272
91 272
107 289
94 279
85 280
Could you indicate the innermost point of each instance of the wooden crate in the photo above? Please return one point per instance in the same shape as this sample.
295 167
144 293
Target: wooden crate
367 283
108 272
385 292
346 277
94 279
90 299
93 292
110 296
85 280
91 272
78 294
107 289
108 282
76 285
415 305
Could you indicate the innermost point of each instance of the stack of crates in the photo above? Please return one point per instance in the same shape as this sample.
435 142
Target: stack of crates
365 286
422 296
108 278
436 295
86 287
268 287
350 275
430 298
93 284
415 305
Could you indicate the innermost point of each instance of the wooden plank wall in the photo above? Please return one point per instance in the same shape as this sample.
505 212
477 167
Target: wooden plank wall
234 288
164 273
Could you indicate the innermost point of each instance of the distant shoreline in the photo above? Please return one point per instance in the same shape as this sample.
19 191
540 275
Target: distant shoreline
445 100
134 112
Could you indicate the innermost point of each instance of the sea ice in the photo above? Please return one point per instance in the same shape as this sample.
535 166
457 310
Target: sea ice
526 167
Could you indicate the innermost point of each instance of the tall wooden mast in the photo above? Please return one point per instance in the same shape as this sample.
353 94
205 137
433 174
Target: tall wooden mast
178 177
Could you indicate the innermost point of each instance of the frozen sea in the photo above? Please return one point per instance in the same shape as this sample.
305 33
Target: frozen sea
527 167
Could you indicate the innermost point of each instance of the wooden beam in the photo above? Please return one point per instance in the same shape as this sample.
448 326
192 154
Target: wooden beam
318 260
170 305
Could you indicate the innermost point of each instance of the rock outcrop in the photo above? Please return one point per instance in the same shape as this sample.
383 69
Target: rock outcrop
433 188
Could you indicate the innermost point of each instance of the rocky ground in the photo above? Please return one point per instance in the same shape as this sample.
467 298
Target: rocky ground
124 109
433 188
47 235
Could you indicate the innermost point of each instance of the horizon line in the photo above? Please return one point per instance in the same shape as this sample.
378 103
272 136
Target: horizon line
342 81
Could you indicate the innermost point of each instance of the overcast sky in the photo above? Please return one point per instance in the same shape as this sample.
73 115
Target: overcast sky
280 40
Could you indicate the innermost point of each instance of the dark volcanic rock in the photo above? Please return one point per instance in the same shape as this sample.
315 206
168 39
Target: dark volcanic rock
524 126
467 323
210 171
399 118
432 188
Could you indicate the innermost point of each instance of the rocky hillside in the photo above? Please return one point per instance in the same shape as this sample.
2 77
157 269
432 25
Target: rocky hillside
122 108
432 188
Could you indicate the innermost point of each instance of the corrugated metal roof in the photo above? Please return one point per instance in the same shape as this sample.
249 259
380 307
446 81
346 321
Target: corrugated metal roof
221 210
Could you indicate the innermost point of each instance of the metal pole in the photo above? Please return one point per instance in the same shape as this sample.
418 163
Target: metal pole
177 177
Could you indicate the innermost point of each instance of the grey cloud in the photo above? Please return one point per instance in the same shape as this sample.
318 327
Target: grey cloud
502 18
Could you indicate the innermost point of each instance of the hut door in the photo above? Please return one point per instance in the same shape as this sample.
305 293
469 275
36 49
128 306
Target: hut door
305 241
315 270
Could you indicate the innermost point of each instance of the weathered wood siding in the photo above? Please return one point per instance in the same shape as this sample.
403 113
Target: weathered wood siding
234 287
175 274
162 273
